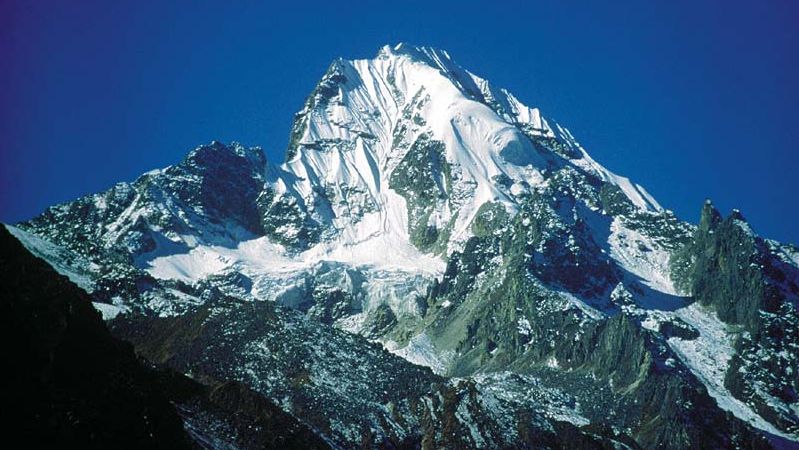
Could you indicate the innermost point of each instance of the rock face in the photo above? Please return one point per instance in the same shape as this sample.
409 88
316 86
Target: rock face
351 391
423 212
751 283
69 382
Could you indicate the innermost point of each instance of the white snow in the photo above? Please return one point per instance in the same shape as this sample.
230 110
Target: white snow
374 101
395 272
474 136
199 263
636 193
524 327
641 256
421 351
651 323
109 311
351 324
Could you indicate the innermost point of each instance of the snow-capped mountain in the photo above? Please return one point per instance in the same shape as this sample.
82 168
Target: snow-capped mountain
379 174
436 215
408 146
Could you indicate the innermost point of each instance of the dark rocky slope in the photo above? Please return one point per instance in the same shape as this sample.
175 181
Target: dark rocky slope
351 391
72 384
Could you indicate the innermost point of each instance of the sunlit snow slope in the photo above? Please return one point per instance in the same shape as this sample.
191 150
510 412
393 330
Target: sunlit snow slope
359 188
350 161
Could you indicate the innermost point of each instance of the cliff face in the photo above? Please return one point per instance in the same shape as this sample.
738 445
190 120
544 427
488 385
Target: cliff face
70 382
752 284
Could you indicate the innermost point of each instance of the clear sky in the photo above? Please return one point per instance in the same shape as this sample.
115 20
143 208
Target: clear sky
692 99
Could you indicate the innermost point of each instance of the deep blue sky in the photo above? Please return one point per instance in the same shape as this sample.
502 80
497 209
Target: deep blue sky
690 99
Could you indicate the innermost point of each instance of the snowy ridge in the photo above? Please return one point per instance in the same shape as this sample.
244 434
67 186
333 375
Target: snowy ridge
351 136
351 142
635 192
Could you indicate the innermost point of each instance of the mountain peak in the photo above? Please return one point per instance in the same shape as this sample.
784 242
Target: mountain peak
435 58
409 145
710 216
419 53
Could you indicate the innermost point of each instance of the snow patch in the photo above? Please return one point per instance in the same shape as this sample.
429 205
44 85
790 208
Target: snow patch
524 327
109 311
641 255
421 351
